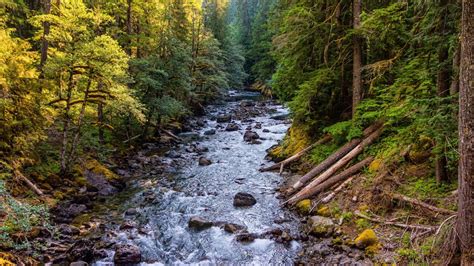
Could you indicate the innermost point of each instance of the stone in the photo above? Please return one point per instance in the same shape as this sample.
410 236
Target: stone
210 132
79 263
127 254
304 206
258 125
199 223
250 135
131 211
243 199
233 228
366 238
224 118
204 161
232 127
247 103
246 237
127 225
266 130
69 230
320 226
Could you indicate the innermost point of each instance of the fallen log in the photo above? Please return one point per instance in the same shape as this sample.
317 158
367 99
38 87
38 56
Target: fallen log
314 190
336 156
28 182
408 226
296 156
173 136
344 184
339 164
421 204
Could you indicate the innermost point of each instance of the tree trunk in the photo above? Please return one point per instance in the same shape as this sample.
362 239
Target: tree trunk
357 59
341 163
341 152
100 121
44 41
66 124
465 223
129 26
312 191
442 83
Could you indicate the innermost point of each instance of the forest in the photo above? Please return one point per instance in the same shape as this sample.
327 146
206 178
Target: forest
122 125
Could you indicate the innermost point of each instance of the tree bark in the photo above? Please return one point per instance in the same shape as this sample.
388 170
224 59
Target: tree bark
331 195
100 121
420 203
129 26
454 87
341 152
314 190
465 223
44 41
341 163
357 59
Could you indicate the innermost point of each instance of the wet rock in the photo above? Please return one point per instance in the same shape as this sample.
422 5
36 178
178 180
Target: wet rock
127 254
250 136
256 142
131 211
320 226
243 199
204 161
258 126
246 237
172 154
79 263
69 230
233 228
266 130
199 223
210 132
280 117
232 127
224 118
201 149
100 254
127 225
247 103
66 212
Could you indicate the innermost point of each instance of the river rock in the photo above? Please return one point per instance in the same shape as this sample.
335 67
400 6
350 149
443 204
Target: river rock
131 211
224 118
210 132
79 263
67 211
249 136
320 226
266 130
246 237
201 149
232 127
204 161
69 230
243 199
258 126
100 183
127 254
199 223
127 225
233 228
247 103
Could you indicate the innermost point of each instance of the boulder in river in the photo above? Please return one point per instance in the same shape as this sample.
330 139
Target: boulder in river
199 223
246 237
232 127
247 103
224 118
210 132
127 254
243 199
204 161
249 136
233 228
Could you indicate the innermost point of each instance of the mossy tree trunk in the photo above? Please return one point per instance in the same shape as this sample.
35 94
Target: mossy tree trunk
357 59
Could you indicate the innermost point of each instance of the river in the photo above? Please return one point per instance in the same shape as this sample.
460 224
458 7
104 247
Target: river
161 210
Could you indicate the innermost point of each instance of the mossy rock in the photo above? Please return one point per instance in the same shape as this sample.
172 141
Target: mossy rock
304 206
58 195
97 168
366 238
372 249
6 259
375 165
320 226
324 211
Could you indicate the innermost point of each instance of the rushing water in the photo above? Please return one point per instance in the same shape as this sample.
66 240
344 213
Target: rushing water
207 192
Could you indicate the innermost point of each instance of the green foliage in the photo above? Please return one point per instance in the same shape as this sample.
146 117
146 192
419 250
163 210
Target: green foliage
20 219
